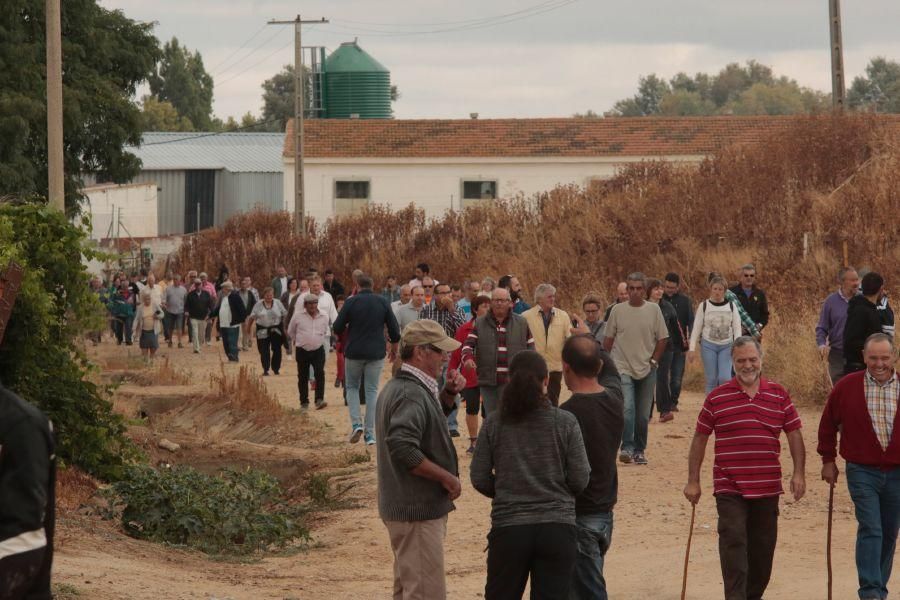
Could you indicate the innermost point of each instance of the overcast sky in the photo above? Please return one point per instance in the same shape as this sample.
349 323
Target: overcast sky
525 58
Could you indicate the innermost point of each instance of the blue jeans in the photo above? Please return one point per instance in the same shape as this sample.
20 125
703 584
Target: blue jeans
638 402
676 375
229 337
594 539
354 372
716 363
876 497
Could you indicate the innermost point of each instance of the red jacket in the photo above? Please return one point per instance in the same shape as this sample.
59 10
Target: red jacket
846 411
461 334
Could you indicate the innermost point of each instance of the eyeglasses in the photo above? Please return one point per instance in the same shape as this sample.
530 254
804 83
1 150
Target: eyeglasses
590 312
427 286
500 300
435 349
750 275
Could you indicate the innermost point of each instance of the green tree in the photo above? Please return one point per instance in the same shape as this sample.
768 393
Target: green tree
105 57
879 90
39 357
159 115
651 90
181 80
682 103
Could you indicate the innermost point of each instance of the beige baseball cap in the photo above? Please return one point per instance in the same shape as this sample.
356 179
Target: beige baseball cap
427 332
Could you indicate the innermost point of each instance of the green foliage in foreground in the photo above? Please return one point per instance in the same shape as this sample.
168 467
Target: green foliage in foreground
39 357
237 512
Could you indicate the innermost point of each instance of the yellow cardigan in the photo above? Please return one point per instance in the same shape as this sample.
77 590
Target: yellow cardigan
550 344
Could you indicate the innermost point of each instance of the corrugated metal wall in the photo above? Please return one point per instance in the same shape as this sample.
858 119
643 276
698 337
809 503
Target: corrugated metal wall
245 191
170 191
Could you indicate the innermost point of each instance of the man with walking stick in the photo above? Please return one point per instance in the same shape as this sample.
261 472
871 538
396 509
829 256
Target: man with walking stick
747 415
863 408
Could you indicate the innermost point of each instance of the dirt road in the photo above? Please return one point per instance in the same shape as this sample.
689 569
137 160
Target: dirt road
351 557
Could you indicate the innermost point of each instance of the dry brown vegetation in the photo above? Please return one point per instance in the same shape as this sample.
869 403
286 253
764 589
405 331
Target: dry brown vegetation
825 190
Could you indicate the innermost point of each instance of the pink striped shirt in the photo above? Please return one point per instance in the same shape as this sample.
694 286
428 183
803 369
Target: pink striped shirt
747 447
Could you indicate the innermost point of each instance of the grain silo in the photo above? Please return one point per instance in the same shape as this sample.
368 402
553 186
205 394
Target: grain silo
356 85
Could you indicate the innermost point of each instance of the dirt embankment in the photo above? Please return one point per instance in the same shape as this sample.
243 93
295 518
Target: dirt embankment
350 556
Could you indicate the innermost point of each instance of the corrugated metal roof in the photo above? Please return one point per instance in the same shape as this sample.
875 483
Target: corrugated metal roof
236 152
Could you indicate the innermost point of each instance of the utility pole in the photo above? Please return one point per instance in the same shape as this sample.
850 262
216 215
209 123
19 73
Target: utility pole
838 91
299 202
55 186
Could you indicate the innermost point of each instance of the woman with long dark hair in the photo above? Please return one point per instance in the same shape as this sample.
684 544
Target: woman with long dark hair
530 459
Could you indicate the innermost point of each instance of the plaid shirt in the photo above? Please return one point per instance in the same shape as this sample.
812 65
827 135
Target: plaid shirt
450 320
429 381
881 400
746 321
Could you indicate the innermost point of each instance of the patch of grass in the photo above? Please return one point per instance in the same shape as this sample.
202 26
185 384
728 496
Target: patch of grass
354 458
324 495
65 591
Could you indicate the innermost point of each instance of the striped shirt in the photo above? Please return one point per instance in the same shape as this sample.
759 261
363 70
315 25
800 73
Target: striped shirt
468 350
881 400
450 320
747 429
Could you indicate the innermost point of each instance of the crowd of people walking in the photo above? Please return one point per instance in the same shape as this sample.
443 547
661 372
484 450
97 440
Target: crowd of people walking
550 468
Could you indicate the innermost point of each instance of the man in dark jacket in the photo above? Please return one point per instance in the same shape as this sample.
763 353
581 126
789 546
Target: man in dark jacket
752 298
863 319
332 285
198 304
229 314
682 304
27 499
365 316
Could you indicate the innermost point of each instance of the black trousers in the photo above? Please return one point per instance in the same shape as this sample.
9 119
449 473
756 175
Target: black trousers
663 391
546 551
316 360
748 531
26 575
554 386
270 352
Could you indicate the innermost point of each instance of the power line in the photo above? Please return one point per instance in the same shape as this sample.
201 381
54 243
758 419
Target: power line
211 134
254 65
247 55
447 23
473 25
244 45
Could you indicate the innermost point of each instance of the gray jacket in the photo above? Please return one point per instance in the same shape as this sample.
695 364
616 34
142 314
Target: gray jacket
410 425
517 335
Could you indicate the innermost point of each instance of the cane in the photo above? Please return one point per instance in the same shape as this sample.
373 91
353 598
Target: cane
828 545
687 553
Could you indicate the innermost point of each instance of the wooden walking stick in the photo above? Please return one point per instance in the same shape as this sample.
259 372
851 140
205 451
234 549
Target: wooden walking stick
828 545
687 552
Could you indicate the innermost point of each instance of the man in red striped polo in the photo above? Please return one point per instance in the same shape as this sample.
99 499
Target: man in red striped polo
747 415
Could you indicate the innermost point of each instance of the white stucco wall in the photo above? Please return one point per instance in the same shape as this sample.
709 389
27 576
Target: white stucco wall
135 205
436 184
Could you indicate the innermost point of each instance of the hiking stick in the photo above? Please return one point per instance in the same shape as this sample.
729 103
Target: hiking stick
828 383
828 545
687 552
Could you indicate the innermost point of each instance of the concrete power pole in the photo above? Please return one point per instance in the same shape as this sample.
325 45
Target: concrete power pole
838 91
55 181
299 201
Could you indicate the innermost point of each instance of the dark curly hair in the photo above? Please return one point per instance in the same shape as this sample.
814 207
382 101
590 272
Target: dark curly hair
525 391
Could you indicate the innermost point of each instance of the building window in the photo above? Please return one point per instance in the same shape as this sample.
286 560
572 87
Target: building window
476 191
351 196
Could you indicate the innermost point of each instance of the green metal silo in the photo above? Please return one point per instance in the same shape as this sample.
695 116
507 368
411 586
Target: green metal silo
356 85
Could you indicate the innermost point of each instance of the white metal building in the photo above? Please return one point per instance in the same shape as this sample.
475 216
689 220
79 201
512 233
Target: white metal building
128 210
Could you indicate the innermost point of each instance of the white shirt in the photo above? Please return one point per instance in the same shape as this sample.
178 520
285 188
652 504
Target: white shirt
326 305
225 313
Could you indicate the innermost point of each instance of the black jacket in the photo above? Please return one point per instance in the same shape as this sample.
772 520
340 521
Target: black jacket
366 315
198 306
756 304
334 288
863 319
238 311
27 496
685 314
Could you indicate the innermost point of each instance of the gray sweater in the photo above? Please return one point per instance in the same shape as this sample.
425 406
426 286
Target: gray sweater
410 425
533 468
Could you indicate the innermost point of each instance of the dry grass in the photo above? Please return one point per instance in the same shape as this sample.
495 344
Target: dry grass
246 392
791 204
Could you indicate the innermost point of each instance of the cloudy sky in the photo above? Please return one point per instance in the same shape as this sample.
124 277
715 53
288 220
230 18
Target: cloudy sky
524 58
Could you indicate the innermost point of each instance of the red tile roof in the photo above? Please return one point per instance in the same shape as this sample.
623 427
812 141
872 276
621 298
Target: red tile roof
507 138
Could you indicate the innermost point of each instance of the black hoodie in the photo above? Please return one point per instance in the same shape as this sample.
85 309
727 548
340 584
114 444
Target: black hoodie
862 321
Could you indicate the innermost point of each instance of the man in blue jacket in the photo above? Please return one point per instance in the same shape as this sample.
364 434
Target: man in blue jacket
365 316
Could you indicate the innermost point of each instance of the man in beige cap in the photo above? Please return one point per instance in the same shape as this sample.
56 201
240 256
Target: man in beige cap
418 475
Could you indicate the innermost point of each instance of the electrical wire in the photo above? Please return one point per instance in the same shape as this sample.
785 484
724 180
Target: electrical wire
446 23
244 45
538 9
254 65
275 34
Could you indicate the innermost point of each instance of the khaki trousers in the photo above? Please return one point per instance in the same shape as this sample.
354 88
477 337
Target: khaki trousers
418 548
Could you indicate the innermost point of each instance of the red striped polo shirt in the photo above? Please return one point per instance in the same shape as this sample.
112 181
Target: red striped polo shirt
747 429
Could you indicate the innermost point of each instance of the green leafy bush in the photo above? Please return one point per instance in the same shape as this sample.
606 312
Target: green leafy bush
39 357
237 512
